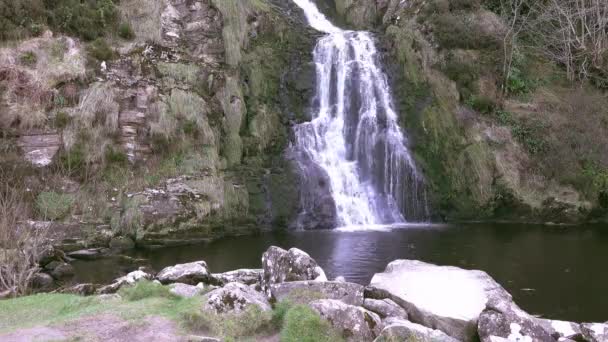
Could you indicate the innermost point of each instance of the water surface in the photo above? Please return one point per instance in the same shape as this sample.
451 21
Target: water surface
557 272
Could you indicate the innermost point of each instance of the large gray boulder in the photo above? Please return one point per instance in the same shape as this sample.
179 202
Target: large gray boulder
385 308
561 329
400 330
190 273
129 279
185 290
283 266
595 332
234 298
355 322
245 276
512 325
440 297
304 292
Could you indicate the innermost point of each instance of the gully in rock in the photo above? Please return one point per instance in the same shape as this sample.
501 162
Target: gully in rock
354 138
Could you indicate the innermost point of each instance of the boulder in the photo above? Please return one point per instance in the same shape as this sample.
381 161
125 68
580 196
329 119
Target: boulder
191 273
400 330
245 276
42 282
88 254
185 290
293 265
385 308
595 332
121 243
129 279
62 271
561 329
355 322
82 289
512 324
440 297
304 292
234 298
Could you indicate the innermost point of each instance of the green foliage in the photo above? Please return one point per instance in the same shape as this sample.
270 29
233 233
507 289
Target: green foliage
130 221
73 160
464 74
520 79
115 156
302 324
279 313
125 31
85 19
453 30
482 104
20 18
229 326
145 289
62 120
88 19
28 58
529 133
54 206
100 50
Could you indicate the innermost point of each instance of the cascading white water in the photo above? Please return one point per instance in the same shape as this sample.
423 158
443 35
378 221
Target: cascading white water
354 136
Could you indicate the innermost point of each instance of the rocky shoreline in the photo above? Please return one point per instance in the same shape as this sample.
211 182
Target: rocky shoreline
410 301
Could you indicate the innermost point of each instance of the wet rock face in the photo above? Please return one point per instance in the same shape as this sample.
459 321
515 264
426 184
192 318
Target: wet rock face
191 273
293 265
355 322
317 206
234 298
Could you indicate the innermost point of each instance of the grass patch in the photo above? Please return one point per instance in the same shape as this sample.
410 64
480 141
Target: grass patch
54 206
125 31
230 326
100 50
302 324
146 289
51 309
28 58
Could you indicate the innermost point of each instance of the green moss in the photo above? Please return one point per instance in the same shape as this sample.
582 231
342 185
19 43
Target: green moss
28 58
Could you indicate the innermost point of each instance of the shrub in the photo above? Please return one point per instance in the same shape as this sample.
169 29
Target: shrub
86 19
116 157
146 289
20 18
125 31
100 50
62 120
464 74
73 160
302 324
460 31
482 104
28 58
54 206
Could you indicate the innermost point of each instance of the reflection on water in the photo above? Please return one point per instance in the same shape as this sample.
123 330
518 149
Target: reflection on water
557 272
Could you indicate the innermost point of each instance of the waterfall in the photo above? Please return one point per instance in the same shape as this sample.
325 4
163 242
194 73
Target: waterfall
354 137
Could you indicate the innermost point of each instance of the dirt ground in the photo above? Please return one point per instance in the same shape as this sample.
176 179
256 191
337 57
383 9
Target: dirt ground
101 328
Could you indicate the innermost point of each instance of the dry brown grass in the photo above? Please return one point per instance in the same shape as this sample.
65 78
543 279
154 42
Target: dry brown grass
21 245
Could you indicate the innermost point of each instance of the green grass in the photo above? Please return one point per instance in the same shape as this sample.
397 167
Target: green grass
54 206
146 289
147 299
302 324
52 309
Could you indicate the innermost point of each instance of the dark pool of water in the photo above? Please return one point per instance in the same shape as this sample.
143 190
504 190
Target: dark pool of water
556 272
